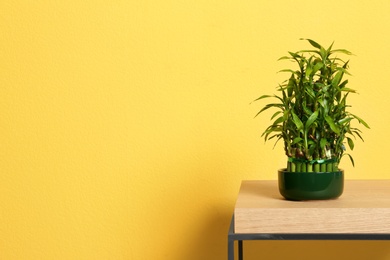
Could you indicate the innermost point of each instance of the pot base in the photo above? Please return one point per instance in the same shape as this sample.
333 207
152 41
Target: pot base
310 185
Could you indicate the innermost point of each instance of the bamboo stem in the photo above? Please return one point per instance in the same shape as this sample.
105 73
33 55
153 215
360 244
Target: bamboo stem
316 167
303 167
299 167
329 167
293 167
335 167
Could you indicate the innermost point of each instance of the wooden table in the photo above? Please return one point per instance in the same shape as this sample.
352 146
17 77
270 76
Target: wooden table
361 213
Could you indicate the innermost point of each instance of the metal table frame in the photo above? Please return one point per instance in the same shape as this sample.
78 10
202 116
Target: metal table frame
232 236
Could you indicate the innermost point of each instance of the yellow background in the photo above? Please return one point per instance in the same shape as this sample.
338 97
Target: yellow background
126 126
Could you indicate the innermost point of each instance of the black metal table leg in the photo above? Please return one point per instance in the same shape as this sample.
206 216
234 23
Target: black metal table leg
231 240
240 250
230 249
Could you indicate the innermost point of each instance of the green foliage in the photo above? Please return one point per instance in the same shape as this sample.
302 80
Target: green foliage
312 117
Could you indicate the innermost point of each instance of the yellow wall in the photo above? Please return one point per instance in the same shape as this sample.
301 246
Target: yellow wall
126 127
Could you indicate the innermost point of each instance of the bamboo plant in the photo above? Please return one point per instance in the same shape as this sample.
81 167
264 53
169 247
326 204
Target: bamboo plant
311 110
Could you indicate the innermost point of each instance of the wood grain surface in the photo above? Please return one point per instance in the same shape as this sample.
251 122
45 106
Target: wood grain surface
364 207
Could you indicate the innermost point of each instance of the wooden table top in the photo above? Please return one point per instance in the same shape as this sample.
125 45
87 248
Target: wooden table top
364 207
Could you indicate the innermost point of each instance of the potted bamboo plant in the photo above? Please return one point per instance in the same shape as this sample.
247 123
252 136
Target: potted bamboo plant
313 120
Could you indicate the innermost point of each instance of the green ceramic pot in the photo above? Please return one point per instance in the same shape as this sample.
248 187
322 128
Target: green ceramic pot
310 185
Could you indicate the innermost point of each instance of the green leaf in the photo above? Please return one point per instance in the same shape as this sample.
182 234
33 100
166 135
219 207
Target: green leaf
284 58
344 120
324 53
336 80
357 132
274 136
330 48
313 43
274 115
308 71
297 140
345 66
279 120
342 51
295 55
309 51
361 121
271 129
268 107
298 123
350 143
348 90
350 157
287 70
332 125
342 85
307 110
276 142
317 67
311 119
323 142
324 104
263 96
